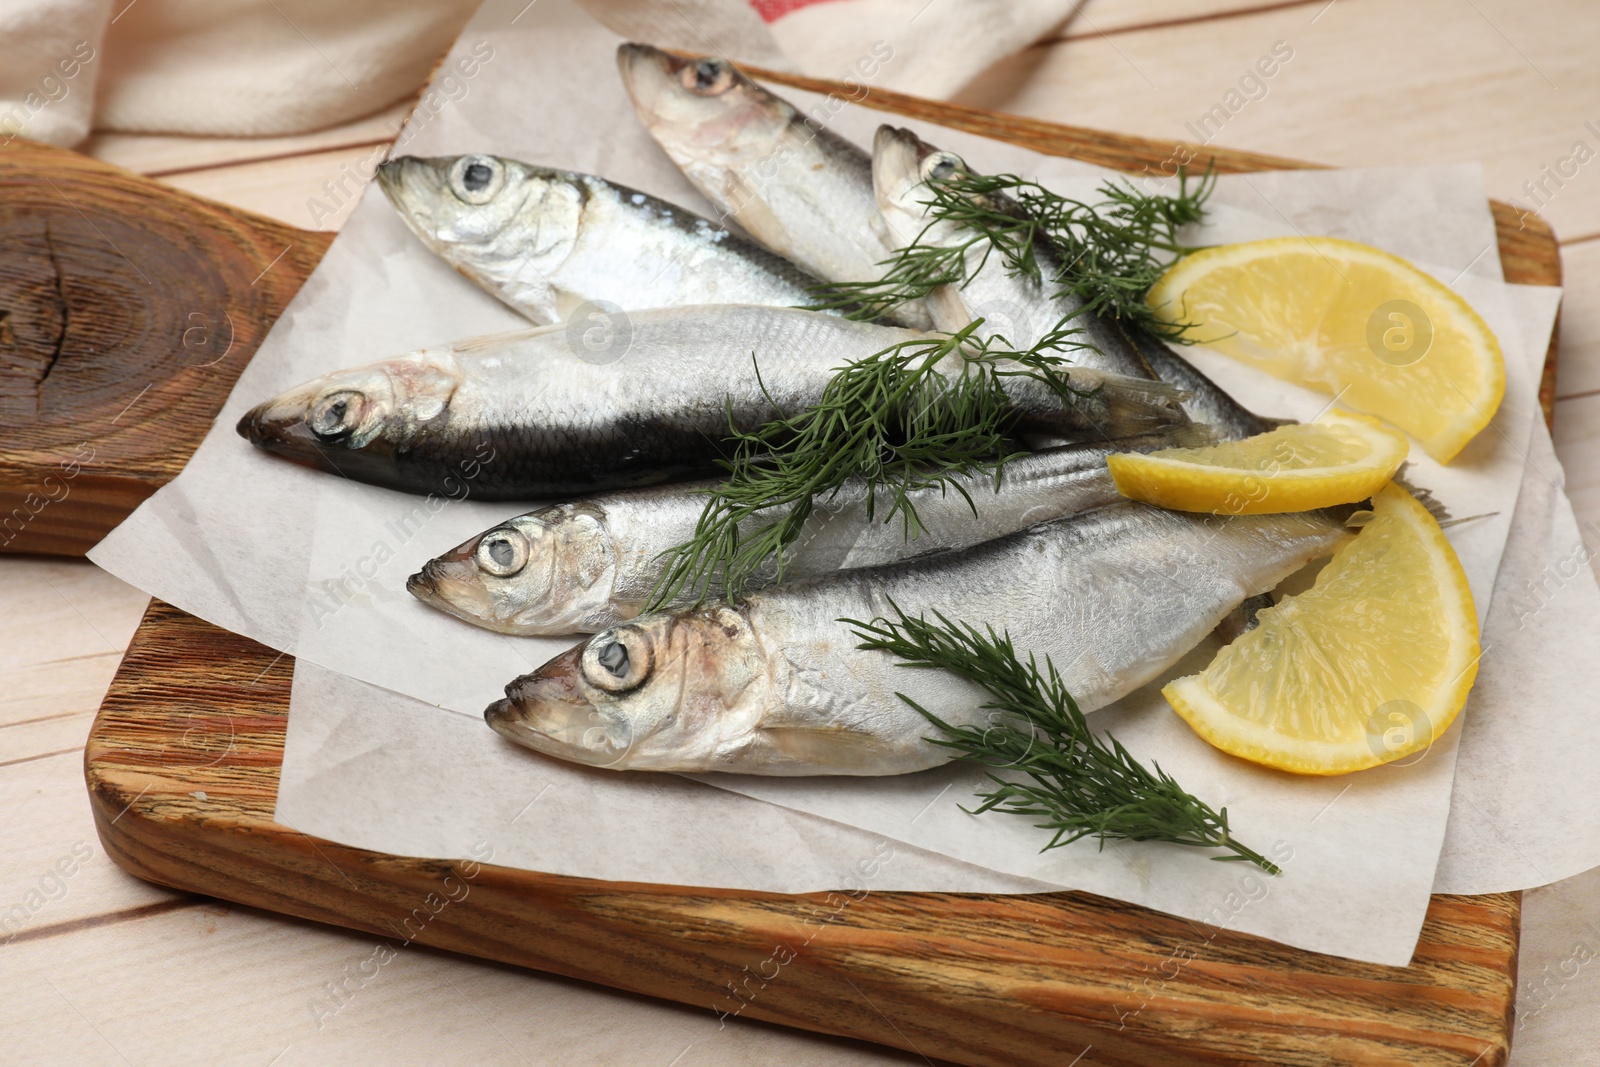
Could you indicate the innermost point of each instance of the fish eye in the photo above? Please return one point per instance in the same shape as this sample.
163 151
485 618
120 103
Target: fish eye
476 179
708 77
502 552
940 165
614 658
337 415
617 660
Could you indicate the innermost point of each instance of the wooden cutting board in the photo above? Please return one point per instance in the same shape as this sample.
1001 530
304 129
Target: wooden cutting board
183 761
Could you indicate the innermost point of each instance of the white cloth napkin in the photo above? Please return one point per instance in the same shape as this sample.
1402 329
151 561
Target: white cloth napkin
253 68
242 68
926 47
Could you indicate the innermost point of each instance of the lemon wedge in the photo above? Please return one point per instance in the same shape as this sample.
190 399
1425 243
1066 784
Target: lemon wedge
1349 319
1338 459
1369 665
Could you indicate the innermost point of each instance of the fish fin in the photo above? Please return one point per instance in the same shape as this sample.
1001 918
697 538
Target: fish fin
1447 523
1424 496
840 749
494 340
1234 419
1242 619
1189 435
1132 405
1088 379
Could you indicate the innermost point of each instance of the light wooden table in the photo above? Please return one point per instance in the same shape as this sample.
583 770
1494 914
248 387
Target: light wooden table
97 967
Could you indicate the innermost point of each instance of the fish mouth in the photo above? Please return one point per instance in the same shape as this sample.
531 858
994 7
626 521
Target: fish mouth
411 183
633 57
647 74
504 718
451 584
427 584
900 139
392 173
277 426
548 712
253 426
897 159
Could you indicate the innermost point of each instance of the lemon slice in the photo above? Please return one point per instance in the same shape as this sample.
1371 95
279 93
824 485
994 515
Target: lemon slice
1370 664
1351 320
1338 459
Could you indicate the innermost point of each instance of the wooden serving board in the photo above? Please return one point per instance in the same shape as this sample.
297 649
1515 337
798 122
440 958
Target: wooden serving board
183 761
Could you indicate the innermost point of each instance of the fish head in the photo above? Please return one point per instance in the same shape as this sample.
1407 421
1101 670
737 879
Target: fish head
550 571
663 692
350 419
705 113
903 166
505 224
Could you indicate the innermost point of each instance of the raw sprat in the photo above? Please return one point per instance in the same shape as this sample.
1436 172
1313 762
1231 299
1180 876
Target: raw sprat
562 418
586 565
547 242
776 685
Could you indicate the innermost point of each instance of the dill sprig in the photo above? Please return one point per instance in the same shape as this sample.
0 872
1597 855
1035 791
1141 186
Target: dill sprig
1103 256
1078 783
896 419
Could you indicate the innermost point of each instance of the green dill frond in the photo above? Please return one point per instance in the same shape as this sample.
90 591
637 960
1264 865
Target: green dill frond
1057 770
898 420
1103 255
910 274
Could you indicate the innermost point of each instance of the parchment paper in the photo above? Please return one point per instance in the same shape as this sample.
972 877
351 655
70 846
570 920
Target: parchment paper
1525 805
1558 978
314 565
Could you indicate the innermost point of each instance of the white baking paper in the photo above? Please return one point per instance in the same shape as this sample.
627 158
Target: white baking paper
1558 975
1524 808
315 565
365 764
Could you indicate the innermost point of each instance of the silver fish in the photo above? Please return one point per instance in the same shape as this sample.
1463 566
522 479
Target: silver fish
798 188
587 565
552 412
549 241
778 685
1023 309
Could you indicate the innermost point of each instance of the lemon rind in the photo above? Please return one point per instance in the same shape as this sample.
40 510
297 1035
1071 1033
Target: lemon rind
1259 743
1445 443
1181 484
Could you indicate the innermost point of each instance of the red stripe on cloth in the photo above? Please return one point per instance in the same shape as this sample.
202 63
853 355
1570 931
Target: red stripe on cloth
773 10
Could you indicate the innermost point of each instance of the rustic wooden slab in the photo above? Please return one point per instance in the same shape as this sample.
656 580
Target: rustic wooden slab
127 311
183 767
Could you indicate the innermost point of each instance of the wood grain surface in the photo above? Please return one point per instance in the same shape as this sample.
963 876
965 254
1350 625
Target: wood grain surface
127 311
183 765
